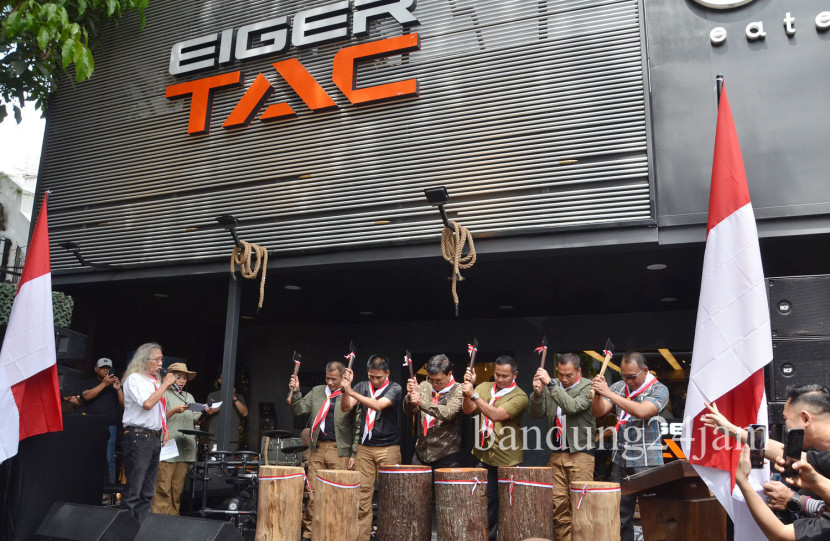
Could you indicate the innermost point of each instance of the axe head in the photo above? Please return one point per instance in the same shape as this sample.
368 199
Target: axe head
475 343
544 341
352 348
609 345
297 357
408 356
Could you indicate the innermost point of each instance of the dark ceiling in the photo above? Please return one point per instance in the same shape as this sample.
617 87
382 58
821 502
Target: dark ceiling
580 281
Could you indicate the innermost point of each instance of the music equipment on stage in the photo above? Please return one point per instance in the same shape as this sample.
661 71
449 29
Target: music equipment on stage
75 522
198 433
172 528
799 306
273 445
796 362
294 448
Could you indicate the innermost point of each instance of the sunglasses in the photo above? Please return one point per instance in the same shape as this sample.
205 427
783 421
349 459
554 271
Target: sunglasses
630 378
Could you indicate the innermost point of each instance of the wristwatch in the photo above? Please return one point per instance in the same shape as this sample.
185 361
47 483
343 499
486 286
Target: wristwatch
551 383
475 397
794 504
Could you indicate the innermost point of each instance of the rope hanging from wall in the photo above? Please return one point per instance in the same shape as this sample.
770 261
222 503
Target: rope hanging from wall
243 258
452 248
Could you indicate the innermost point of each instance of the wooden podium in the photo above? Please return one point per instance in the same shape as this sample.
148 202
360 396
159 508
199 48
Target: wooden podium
675 504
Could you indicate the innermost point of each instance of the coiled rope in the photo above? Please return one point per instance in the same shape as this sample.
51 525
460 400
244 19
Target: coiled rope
452 246
242 257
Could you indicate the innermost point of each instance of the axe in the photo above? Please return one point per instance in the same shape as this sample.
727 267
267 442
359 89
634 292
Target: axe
297 358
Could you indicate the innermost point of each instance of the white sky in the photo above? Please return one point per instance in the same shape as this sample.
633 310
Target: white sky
20 143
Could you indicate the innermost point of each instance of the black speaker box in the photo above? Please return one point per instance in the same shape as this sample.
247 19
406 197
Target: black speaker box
796 362
69 345
74 522
799 306
170 528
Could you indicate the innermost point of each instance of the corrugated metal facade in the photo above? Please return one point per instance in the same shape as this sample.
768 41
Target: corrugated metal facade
531 113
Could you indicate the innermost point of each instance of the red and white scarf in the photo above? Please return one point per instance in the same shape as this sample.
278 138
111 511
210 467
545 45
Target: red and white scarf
320 419
369 423
649 382
162 403
429 420
489 425
560 418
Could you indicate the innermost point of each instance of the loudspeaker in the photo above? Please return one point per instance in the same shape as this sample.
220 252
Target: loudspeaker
74 522
799 306
796 362
69 345
171 528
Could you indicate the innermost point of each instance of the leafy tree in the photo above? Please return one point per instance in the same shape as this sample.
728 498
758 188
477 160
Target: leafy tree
38 37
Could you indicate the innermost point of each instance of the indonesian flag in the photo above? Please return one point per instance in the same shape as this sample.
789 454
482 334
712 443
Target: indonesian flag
30 401
733 341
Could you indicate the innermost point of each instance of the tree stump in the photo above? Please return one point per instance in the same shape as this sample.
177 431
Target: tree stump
461 504
404 507
595 510
280 509
336 501
525 496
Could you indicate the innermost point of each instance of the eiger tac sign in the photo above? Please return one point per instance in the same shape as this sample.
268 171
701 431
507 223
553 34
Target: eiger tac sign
308 28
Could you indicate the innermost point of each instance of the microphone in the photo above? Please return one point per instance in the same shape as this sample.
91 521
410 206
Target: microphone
177 388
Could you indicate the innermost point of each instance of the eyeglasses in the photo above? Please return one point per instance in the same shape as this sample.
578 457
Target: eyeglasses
630 378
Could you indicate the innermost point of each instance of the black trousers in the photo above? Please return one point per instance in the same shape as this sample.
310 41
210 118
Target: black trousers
141 466
627 503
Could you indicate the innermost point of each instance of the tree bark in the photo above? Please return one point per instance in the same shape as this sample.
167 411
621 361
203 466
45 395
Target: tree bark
598 515
280 509
404 507
526 516
336 501
461 504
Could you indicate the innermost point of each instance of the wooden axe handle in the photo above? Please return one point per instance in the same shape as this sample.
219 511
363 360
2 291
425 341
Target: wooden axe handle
601 371
604 365
291 393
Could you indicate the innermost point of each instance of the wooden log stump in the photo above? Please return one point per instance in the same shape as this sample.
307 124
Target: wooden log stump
336 501
595 510
404 509
525 500
280 509
461 504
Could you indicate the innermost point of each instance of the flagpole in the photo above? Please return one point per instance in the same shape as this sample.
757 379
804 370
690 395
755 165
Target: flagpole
719 85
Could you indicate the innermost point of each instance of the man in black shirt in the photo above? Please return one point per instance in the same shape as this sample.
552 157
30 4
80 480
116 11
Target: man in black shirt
102 395
379 400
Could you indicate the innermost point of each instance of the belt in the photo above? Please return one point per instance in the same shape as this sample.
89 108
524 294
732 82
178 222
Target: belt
142 430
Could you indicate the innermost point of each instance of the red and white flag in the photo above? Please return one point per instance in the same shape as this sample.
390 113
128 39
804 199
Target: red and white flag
733 341
30 401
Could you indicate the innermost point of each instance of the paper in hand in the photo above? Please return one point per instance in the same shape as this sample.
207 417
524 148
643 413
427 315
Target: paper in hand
169 450
195 406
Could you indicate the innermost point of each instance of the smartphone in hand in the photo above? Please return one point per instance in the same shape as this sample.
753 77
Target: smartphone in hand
792 450
757 439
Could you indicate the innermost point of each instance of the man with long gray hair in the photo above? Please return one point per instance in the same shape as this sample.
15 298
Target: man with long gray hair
437 404
145 423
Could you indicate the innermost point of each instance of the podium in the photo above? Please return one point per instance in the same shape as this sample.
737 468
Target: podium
675 504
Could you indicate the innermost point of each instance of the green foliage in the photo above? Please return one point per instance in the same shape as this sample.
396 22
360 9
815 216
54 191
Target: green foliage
37 37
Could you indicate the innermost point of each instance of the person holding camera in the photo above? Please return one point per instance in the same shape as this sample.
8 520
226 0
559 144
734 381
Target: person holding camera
102 395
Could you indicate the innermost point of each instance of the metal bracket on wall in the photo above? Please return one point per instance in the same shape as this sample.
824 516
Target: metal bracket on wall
75 249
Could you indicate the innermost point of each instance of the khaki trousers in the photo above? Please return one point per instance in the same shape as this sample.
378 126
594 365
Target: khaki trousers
169 487
323 458
567 468
368 460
